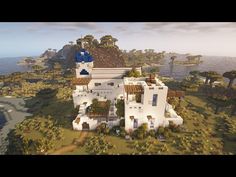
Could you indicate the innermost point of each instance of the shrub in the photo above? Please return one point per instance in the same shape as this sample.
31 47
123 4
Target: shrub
121 131
141 132
98 145
160 130
102 129
120 105
122 123
152 133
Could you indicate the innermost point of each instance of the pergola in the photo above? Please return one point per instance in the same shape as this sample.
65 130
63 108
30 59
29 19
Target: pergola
133 89
81 81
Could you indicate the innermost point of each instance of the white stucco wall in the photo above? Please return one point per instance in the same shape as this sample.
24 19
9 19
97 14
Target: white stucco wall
88 66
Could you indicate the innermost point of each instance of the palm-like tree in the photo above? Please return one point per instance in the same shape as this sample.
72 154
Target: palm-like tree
71 42
231 75
198 58
89 39
195 75
173 58
213 76
205 74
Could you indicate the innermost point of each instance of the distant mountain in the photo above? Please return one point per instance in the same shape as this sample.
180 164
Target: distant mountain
48 54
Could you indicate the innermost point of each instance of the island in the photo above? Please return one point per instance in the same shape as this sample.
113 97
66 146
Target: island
191 60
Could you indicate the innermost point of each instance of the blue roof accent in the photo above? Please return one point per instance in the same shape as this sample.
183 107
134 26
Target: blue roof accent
80 57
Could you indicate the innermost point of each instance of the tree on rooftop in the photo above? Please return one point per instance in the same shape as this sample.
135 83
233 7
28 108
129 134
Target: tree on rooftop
231 75
133 73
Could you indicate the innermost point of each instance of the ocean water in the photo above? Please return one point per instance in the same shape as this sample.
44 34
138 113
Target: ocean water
210 63
2 120
9 65
214 63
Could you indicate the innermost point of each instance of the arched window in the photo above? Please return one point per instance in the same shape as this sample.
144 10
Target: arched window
84 72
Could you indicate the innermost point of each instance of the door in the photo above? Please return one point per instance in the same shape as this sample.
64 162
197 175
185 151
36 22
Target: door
85 126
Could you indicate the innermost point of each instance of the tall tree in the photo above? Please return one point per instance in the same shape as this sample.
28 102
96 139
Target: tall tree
71 42
173 58
214 76
205 74
89 39
195 75
231 75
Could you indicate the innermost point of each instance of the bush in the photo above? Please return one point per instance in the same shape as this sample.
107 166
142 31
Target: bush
122 123
152 133
167 132
141 132
120 105
174 128
160 130
102 129
98 145
119 129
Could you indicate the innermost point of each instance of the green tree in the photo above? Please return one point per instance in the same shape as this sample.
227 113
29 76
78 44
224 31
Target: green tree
214 76
133 73
205 74
120 105
231 75
89 39
103 129
173 58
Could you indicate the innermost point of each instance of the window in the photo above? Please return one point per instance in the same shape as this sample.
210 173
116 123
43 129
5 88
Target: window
135 123
111 83
151 88
130 107
97 84
151 124
84 72
160 88
154 100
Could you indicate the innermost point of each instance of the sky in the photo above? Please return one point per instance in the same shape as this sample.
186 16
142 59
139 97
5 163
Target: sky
204 38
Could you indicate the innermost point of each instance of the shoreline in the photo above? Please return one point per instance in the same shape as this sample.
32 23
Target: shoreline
14 113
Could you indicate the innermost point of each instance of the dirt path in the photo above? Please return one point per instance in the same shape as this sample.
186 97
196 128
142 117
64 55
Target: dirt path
70 147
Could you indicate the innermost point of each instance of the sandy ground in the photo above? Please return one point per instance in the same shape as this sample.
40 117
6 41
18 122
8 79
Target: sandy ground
70 147
15 112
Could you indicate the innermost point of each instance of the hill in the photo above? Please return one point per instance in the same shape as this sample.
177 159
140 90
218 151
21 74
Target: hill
106 54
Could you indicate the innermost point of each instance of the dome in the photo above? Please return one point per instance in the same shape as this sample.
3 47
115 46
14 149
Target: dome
83 56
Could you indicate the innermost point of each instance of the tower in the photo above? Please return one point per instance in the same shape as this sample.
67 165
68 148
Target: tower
84 64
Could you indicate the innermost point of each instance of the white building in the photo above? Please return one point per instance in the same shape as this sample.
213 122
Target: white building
145 98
